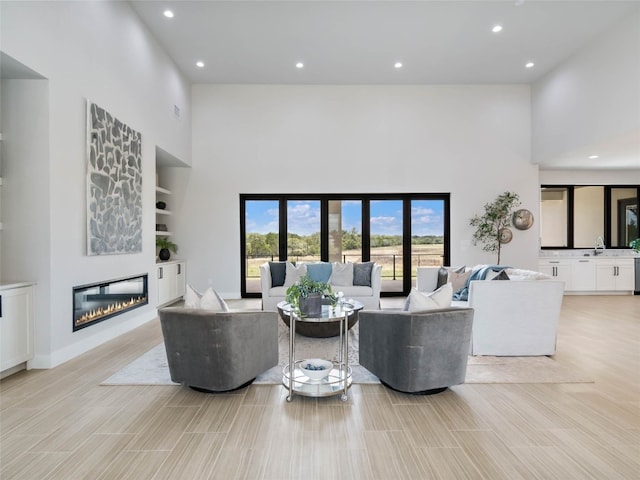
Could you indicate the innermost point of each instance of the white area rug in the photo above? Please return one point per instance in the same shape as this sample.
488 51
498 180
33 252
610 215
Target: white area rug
152 369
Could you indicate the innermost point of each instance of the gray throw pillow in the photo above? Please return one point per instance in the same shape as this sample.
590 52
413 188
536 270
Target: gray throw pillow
362 273
501 276
278 270
443 277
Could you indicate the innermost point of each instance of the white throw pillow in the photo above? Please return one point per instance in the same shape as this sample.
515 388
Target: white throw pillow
294 273
213 302
422 301
210 300
191 297
520 274
342 274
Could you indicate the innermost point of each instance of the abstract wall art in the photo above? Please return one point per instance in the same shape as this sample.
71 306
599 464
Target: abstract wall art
114 185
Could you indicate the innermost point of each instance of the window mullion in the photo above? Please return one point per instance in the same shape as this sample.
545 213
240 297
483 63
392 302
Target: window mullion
366 230
283 247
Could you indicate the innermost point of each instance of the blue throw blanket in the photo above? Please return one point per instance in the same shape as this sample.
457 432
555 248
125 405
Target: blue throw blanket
462 295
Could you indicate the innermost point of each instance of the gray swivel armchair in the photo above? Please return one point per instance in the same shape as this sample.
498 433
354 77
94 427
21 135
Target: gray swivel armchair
218 351
416 352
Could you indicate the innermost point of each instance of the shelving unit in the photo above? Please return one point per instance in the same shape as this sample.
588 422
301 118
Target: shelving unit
339 378
161 193
170 274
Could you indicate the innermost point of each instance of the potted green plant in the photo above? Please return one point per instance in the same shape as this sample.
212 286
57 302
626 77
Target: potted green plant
165 245
492 227
306 296
635 244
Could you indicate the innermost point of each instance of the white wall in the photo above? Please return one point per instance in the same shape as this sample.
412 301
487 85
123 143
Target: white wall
25 193
591 98
472 141
98 51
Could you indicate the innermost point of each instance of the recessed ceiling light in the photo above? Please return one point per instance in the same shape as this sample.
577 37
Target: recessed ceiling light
397 65
299 65
200 64
496 28
593 157
168 13
529 65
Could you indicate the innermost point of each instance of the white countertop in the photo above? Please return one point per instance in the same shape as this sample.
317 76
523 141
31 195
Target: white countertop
166 262
587 252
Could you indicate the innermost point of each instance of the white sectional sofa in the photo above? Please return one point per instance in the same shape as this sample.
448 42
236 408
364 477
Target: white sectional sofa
515 317
359 281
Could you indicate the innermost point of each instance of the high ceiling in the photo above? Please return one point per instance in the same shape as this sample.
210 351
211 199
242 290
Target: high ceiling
358 42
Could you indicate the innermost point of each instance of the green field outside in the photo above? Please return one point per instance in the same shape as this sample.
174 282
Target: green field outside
389 257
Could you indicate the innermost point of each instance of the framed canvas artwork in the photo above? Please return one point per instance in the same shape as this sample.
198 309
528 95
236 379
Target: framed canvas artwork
114 185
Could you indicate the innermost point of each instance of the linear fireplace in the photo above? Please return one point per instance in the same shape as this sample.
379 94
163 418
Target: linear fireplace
96 302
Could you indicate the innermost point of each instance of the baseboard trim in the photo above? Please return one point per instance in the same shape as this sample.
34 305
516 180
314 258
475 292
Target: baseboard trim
70 352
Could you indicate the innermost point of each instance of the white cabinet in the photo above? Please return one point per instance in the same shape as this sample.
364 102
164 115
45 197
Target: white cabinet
592 274
559 269
16 326
181 280
614 274
171 281
583 274
166 283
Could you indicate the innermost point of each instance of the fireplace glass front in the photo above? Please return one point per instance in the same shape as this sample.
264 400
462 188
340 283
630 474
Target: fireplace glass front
98 301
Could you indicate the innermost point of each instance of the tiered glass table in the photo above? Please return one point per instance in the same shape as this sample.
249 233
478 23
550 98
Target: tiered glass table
338 381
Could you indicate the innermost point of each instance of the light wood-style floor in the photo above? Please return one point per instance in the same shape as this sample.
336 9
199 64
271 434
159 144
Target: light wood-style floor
61 424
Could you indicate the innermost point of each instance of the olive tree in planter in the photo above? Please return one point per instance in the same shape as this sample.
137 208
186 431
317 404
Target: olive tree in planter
492 227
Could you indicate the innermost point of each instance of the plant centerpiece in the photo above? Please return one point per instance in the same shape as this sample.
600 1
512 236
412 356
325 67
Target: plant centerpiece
635 244
492 227
306 296
164 244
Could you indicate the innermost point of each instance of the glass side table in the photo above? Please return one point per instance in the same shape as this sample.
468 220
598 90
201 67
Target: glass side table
338 380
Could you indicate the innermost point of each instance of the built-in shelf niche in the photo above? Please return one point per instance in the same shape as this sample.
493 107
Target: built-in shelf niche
161 194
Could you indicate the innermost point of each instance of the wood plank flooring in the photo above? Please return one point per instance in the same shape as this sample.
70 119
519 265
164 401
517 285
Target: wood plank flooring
61 424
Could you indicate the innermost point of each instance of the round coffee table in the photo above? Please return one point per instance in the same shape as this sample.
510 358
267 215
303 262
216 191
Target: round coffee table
327 325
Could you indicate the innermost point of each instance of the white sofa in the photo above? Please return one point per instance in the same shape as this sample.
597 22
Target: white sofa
369 296
516 317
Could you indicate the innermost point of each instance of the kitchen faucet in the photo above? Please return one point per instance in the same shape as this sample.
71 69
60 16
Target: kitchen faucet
599 248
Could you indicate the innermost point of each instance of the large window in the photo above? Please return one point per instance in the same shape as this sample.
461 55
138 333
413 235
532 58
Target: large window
303 230
400 232
260 240
427 225
387 246
576 216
